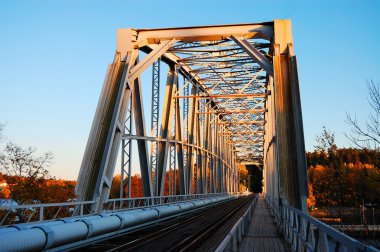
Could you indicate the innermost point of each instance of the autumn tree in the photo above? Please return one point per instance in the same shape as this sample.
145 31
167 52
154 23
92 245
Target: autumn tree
244 177
57 190
311 201
136 187
115 187
5 192
17 161
26 171
324 185
173 176
326 143
358 177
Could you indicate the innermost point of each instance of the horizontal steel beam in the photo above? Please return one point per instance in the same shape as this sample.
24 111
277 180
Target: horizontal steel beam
222 96
245 142
254 53
250 122
240 111
172 59
172 141
206 33
149 59
245 132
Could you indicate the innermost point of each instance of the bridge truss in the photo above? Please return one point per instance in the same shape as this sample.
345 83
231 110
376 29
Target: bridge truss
231 97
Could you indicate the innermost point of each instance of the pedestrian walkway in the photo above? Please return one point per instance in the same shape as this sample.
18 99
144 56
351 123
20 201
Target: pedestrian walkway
262 234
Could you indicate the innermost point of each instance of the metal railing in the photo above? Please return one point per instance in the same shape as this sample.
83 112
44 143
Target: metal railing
305 233
17 214
235 236
129 203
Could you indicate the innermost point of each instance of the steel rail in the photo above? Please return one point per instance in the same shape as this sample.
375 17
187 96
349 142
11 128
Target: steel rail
193 241
132 245
136 244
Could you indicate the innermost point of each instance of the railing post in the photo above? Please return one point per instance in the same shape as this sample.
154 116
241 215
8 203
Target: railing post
279 213
41 214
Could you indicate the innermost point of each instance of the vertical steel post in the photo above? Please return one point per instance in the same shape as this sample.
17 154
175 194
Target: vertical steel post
142 145
199 143
154 122
206 125
126 154
289 131
212 157
185 134
190 141
180 149
165 130
172 147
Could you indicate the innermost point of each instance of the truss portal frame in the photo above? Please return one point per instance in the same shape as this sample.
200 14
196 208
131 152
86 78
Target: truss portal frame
240 103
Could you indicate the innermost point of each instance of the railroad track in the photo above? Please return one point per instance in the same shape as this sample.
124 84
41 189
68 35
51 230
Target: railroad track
194 241
185 233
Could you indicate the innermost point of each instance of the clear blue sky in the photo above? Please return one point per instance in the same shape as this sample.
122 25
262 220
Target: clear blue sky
54 54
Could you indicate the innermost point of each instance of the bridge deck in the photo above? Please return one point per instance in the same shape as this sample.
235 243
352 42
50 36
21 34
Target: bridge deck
262 234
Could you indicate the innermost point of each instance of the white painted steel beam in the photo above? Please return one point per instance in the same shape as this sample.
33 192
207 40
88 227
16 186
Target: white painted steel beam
142 145
254 53
205 33
150 58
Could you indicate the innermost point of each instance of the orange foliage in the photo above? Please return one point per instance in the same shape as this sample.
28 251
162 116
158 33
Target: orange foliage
5 192
58 190
346 177
166 190
244 177
136 184
137 189
311 199
27 190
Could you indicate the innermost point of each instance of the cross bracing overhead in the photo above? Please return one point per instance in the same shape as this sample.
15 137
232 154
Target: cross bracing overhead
235 83
231 97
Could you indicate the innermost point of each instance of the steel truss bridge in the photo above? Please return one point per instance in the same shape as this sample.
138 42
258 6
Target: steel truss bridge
231 97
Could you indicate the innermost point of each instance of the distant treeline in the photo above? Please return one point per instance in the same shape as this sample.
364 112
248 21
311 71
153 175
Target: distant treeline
339 177
343 176
29 190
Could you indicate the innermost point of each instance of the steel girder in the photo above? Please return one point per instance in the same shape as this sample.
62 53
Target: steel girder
244 107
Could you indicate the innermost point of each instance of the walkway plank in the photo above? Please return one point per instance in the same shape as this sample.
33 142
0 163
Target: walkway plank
262 235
